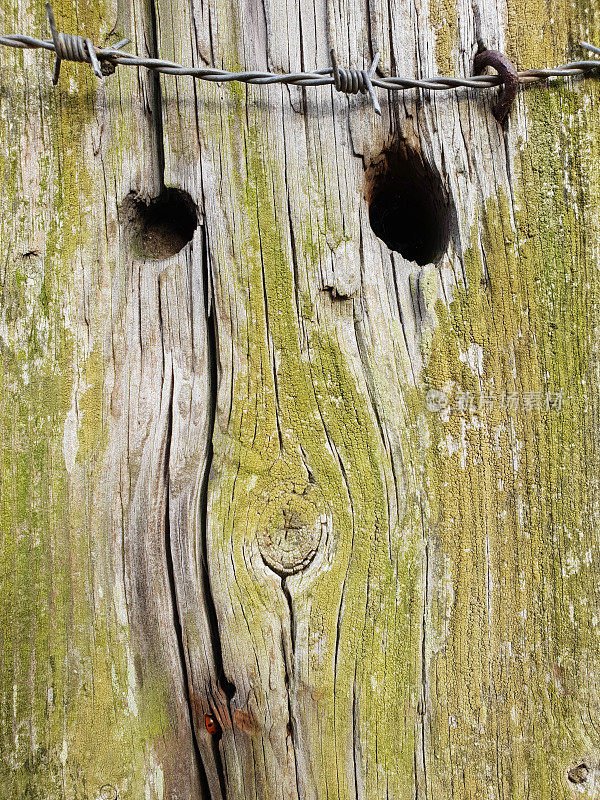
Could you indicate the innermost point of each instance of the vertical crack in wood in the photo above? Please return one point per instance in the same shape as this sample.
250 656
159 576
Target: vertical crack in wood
155 99
172 588
158 164
212 358
356 749
171 551
288 665
208 788
424 684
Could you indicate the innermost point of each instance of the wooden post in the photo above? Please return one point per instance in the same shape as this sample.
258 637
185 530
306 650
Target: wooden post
299 412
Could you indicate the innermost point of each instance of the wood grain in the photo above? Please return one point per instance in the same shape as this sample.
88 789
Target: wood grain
224 490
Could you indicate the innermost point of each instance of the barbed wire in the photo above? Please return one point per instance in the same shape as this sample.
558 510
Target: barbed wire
104 60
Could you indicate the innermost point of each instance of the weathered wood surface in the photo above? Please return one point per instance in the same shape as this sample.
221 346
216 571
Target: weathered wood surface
222 490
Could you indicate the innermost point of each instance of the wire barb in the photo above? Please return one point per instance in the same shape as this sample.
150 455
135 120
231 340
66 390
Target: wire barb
70 47
352 81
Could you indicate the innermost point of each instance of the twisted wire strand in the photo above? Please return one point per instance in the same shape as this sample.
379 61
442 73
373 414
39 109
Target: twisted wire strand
71 47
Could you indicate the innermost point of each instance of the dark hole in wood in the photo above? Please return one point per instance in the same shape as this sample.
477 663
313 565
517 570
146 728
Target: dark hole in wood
409 208
227 687
578 774
160 228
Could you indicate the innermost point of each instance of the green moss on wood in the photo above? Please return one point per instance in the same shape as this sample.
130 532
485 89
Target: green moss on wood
71 715
512 497
444 24
299 412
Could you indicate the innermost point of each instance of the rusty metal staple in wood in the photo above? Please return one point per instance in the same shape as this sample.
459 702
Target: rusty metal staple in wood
69 47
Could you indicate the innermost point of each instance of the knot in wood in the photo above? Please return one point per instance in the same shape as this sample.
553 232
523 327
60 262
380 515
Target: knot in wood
578 774
290 539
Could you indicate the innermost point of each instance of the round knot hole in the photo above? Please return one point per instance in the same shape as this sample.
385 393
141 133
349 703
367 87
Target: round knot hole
161 228
578 774
409 209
